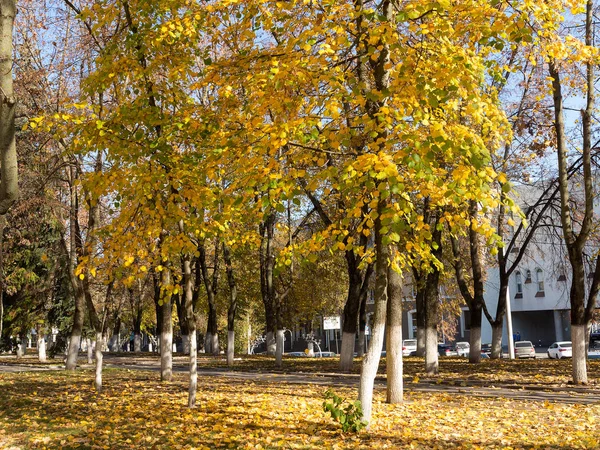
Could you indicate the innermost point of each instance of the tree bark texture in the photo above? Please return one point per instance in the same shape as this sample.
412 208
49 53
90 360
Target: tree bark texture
188 298
166 331
211 285
90 351
9 188
267 285
231 311
394 338
370 362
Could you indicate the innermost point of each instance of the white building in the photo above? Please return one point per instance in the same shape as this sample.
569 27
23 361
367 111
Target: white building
538 288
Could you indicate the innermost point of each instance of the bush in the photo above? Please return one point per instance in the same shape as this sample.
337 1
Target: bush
348 414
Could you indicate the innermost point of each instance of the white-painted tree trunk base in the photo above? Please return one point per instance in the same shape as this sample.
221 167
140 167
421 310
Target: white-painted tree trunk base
216 350
166 356
113 343
90 350
420 341
496 342
279 347
137 342
347 352
193 370
41 344
230 347
271 343
73 351
431 351
395 387
311 348
370 364
21 349
578 339
185 343
99 361
475 345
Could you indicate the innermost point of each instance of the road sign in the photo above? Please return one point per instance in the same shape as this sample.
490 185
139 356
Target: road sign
331 323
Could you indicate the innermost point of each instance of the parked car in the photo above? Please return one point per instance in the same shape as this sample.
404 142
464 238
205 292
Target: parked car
594 348
325 354
524 349
463 348
486 349
409 347
559 350
446 350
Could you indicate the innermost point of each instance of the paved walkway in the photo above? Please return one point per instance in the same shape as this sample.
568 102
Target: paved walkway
569 394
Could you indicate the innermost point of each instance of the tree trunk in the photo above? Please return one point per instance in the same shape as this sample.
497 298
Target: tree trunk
137 341
188 300
185 342
496 340
431 351
99 360
113 344
210 284
22 347
420 340
230 347
579 354
498 323
41 344
2 226
231 311
394 338
431 320
9 189
279 347
267 286
76 330
419 281
370 362
575 243
475 338
362 328
351 312
90 351
166 342
183 325
431 303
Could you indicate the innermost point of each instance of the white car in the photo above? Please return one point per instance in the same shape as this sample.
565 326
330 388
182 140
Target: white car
409 347
559 350
463 348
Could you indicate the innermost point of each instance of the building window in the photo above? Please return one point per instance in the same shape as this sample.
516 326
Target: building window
519 281
467 319
528 276
539 279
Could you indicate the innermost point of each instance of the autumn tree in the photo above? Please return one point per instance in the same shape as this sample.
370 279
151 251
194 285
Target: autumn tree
582 296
